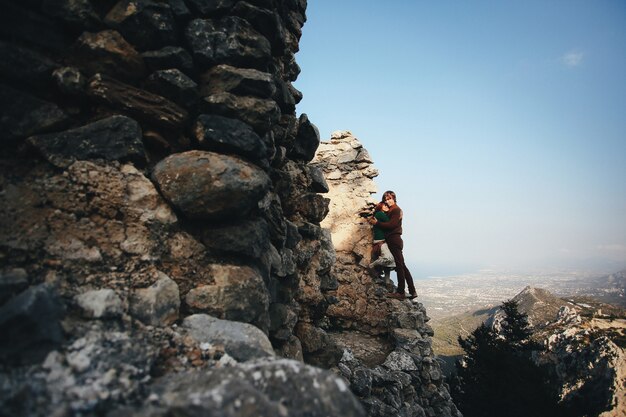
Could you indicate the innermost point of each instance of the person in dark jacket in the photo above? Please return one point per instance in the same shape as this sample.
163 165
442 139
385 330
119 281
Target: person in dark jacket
393 237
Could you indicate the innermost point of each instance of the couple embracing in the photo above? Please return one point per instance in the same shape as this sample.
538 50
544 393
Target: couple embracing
392 229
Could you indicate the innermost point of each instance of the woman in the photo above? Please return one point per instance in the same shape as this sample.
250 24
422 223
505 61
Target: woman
393 237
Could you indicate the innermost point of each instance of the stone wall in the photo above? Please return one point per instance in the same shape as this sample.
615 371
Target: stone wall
158 212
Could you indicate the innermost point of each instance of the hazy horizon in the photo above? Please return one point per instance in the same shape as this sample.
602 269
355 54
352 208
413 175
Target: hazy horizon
500 125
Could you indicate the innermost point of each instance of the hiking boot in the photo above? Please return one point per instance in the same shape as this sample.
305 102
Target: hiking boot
412 296
396 295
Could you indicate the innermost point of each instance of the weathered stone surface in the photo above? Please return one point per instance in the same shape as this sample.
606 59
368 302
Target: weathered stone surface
263 387
30 325
307 140
147 24
318 182
24 114
242 341
282 321
249 238
174 85
222 134
78 13
236 293
229 40
158 304
284 97
12 282
312 207
30 27
265 22
142 104
25 66
113 138
168 58
97 304
238 81
208 7
69 80
107 52
258 113
207 185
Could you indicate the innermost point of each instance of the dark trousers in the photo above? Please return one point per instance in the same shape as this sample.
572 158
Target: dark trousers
395 246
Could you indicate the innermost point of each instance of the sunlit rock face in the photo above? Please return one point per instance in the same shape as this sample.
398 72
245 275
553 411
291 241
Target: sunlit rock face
387 355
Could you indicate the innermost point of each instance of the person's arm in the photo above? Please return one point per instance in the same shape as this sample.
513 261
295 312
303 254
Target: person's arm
395 216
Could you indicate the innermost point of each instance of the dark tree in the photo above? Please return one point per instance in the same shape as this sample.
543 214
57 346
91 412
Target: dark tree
497 377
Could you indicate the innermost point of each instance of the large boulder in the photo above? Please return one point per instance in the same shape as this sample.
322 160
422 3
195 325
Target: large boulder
236 293
113 138
242 341
261 388
218 133
207 185
229 40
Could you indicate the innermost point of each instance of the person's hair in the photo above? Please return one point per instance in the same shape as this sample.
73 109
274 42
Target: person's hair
390 193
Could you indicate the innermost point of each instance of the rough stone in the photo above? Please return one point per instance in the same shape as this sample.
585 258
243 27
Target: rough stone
265 22
238 81
222 134
261 114
236 293
242 341
282 321
78 13
229 40
167 58
311 206
97 304
249 238
260 388
158 304
107 52
70 80
307 140
207 185
174 85
12 282
142 104
24 114
147 24
25 66
209 7
30 325
113 138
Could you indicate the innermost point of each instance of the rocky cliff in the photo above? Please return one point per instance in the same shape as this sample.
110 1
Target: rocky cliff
160 239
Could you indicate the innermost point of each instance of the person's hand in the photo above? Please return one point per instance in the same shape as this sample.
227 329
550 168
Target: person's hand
372 220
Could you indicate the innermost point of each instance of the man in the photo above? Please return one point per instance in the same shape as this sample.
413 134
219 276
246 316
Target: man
393 237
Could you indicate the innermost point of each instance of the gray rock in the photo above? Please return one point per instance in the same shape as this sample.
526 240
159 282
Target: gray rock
265 22
25 66
400 361
229 40
313 207
222 134
207 185
12 282
113 138
174 85
70 80
30 325
237 293
208 7
282 321
307 140
259 113
167 58
78 13
107 52
24 115
238 81
242 341
249 238
147 24
103 303
260 388
140 103
318 182
158 304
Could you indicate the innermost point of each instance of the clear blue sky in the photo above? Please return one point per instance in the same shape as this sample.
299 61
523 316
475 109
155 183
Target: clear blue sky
501 125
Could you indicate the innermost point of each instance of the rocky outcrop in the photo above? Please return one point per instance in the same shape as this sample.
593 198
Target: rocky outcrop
386 343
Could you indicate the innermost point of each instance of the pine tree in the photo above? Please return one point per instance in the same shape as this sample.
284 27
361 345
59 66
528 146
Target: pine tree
497 376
